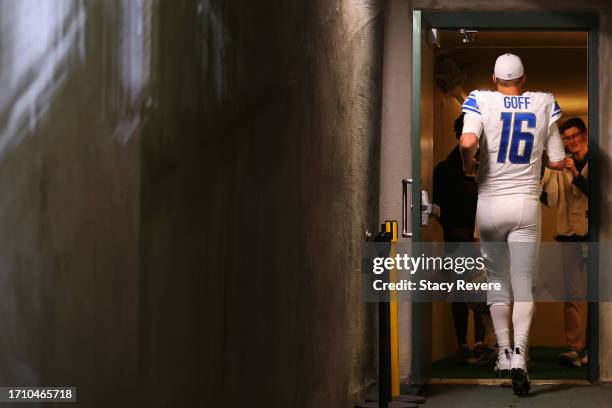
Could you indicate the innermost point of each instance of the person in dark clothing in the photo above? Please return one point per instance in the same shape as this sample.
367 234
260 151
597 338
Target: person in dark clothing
457 194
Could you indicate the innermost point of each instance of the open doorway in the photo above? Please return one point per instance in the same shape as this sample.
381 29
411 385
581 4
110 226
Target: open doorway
555 62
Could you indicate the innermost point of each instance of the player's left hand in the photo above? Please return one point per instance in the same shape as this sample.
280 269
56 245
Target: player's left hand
470 168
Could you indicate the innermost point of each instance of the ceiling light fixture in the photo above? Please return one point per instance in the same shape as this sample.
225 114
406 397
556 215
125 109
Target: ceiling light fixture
468 36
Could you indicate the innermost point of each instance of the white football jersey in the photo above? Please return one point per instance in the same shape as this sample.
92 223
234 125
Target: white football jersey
514 131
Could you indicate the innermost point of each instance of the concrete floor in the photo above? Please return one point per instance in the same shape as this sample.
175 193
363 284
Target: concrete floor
541 396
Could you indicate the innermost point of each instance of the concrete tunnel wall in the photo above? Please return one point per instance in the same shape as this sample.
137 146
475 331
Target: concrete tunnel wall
70 202
185 188
260 178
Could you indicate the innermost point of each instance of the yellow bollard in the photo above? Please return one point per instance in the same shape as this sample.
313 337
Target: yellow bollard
392 227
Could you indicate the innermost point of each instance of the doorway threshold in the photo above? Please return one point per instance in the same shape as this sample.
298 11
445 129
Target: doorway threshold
497 381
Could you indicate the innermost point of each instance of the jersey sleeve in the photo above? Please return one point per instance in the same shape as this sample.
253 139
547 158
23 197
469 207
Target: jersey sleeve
470 105
472 121
554 145
555 111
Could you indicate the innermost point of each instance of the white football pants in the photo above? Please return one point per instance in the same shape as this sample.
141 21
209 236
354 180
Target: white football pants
509 229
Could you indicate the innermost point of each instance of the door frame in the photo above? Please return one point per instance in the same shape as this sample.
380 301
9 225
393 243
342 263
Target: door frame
511 21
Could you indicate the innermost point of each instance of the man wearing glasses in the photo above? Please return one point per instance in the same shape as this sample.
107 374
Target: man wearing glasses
575 140
568 191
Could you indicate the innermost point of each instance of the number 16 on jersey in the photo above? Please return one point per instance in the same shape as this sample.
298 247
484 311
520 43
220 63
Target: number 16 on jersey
512 125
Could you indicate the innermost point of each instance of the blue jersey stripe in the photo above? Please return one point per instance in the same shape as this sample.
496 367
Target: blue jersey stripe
556 110
467 108
471 102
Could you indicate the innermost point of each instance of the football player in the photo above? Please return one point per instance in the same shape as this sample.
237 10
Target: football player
512 128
